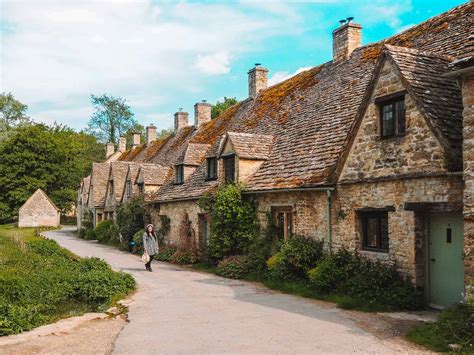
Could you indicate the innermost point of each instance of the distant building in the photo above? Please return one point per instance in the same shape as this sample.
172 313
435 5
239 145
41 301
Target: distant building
38 211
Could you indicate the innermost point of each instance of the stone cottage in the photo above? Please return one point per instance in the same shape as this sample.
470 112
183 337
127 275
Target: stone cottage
39 211
367 152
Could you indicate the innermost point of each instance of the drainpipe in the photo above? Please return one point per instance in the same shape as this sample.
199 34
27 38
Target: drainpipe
328 219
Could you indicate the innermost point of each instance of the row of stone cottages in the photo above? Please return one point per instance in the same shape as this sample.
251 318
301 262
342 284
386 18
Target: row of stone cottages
365 151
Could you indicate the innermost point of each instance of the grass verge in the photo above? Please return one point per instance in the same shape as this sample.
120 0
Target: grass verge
41 282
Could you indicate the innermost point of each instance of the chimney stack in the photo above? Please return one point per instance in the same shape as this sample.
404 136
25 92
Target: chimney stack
122 145
202 113
109 150
345 39
150 134
257 80
135 139
180 120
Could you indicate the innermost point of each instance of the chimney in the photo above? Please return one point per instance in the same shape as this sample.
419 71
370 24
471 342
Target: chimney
135 139
122 145
150 134
257 80
180 120
345 39
202 113
109 150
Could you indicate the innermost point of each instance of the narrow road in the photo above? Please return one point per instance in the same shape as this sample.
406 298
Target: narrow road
181 311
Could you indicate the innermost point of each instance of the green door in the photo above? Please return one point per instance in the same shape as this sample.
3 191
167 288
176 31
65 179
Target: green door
446 265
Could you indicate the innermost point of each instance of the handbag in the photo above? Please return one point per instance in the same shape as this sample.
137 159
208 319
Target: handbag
145 257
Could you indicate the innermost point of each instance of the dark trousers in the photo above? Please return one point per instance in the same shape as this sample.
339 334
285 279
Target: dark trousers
148 264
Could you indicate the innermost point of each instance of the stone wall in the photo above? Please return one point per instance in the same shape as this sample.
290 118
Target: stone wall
309 211
406 229
418 151
38 212
468 159
176 211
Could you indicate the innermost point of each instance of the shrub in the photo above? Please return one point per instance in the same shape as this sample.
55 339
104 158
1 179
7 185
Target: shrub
107 232
184 257
365 281
138 239
166 253
234 222
296 257
456 325
131 217
234 267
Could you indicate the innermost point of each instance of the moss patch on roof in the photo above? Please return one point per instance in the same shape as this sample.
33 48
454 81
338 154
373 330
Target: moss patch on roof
212 130
134 152
155 146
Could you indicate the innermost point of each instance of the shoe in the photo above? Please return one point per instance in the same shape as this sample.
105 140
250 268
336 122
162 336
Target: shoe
149 269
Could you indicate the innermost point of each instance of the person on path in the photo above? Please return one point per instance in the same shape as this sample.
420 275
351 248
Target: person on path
150 245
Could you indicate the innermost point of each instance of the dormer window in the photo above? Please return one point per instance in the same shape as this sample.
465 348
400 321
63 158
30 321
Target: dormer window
229 168
141 187
179 174
129 189
111 189
392 115
211 165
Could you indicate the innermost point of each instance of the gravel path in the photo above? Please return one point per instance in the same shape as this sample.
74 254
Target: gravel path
181 311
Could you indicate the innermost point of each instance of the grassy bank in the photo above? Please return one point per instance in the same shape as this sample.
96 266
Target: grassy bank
41 282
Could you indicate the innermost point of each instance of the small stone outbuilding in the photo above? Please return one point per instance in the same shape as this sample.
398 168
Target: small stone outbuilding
38 211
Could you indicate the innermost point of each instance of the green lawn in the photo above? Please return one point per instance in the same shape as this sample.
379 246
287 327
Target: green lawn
41 282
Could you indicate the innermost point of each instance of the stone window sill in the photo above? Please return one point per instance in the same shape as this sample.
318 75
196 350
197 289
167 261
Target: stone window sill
380 255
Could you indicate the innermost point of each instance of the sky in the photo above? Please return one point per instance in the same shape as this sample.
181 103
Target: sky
165 55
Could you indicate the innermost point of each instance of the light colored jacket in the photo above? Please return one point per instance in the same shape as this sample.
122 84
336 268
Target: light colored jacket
150 244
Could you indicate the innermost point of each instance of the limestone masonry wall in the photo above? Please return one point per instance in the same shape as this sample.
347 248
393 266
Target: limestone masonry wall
418 151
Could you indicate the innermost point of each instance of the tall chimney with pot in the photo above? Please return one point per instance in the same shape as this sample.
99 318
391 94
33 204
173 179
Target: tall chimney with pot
122 145
258 80
150 134
109 150
135 139
202 113
345 39
180 120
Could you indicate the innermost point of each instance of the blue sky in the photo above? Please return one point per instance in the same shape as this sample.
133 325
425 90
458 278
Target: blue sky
165 55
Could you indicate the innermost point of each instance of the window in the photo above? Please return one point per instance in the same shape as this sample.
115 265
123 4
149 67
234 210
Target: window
111 188
141 187
374 231
229 168
392 115
283 217
129 189
179 174
211 169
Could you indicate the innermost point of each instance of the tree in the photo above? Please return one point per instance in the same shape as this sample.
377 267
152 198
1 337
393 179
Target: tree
111 119
54 159
164 133
222 106
12 114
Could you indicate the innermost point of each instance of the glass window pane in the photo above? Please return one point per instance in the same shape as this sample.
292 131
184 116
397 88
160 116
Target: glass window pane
371 231
388 127
384 233
400 110
280 223
289 221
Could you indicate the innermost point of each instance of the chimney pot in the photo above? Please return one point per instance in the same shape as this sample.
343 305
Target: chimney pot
135 139
150 134
346 39
258 80
180 120
202 113
109 150
122 145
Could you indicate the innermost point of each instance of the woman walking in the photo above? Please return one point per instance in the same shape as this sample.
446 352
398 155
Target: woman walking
150 246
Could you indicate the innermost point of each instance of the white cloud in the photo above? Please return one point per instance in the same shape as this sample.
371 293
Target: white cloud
280 76
386 12
213 64
58 50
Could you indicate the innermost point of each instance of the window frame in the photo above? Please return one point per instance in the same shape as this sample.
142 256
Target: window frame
288 223
398 115
378 215
179 174
208 170
226 159
141 187
129 188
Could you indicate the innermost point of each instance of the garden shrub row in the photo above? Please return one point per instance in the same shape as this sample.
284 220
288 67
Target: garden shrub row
41 282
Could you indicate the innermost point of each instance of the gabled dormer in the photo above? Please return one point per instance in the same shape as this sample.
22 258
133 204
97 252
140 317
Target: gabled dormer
150 178
190 159
240 155
411 121
115 184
